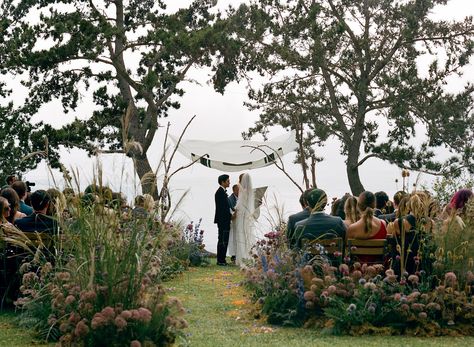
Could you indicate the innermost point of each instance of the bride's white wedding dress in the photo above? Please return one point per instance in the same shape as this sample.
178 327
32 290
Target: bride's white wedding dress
244 223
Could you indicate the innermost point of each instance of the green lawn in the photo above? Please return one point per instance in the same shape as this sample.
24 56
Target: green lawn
219 314
11 336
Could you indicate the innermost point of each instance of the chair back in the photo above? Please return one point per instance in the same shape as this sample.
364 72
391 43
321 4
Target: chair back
368 251
331 246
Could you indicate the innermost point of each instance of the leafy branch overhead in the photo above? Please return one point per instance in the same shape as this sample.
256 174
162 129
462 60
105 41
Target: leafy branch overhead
127 55
348 69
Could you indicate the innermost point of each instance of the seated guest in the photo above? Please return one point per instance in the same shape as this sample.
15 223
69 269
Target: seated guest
9 180
318 224
14 201
368 226
149 203
38 221
455 211
416 217
339 209
139 210
57 204
22 190
4 211
294 218
381 199
390 217
459 200
350 210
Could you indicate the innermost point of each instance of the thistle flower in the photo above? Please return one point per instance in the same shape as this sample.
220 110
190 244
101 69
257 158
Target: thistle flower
120 323
70 299
126 314
81 329
450 279
413 279
351 308
422 315
344 269
331 289
108 313
135 343
145 314
309 296
97 321
372 307
356 274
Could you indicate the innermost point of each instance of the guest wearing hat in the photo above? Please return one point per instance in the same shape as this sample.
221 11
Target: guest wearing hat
318 224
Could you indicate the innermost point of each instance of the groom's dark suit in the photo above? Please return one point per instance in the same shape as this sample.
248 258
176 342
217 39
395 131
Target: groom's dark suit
222 219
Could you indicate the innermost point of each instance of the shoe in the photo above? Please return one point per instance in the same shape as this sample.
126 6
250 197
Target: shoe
222 264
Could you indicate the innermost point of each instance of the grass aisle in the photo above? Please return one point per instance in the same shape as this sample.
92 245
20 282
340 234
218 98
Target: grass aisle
12 336
220 314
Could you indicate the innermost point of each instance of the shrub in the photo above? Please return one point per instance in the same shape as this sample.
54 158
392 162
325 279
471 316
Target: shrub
104 288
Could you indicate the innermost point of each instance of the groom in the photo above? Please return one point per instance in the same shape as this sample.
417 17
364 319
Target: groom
222 218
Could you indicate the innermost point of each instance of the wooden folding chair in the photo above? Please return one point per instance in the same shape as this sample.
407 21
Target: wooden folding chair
331 246
367 251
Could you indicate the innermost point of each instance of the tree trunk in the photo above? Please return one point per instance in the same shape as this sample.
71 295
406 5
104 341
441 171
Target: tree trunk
354 179
352 167
146 175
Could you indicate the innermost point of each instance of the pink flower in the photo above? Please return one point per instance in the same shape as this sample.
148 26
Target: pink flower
88 295
417 307
108 313
413 279
81 329
331 289
126 314
344 269
450 279
422 315
97 321
70 299
120 323
356 274
145 314
309 296
135 343
370 285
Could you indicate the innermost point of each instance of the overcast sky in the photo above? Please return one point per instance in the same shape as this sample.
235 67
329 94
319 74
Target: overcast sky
221 117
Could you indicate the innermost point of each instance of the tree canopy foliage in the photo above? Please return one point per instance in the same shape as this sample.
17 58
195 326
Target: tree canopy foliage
131 56
349 69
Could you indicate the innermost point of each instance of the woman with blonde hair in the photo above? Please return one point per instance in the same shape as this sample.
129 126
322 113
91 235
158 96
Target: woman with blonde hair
351 211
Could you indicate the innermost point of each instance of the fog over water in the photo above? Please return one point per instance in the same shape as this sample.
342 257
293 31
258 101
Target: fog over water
223 117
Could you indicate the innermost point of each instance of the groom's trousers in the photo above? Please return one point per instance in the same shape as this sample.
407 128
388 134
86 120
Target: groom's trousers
222 243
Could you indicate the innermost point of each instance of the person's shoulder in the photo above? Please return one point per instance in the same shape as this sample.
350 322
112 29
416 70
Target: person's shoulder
301 222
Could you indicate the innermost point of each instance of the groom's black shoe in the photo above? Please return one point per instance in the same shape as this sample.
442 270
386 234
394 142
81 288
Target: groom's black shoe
222 264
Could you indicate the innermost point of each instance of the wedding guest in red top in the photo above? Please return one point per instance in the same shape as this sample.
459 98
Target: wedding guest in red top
368 227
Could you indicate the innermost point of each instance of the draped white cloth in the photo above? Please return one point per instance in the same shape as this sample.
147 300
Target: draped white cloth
244 224
233 156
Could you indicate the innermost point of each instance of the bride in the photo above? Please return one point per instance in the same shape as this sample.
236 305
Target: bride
244 223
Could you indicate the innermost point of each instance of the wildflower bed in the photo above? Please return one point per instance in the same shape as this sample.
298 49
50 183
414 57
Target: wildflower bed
220 312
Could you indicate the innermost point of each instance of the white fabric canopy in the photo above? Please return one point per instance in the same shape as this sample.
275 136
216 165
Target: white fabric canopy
232 156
